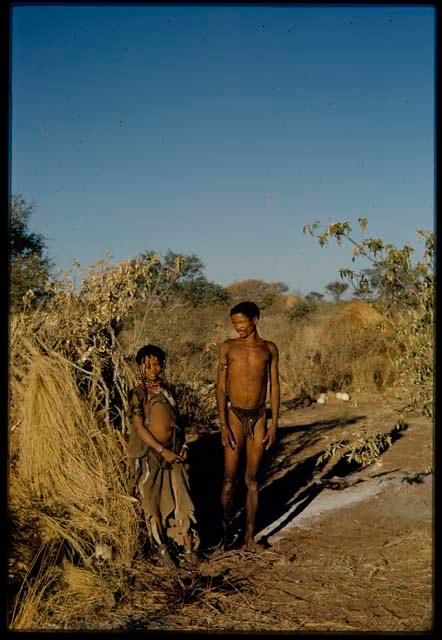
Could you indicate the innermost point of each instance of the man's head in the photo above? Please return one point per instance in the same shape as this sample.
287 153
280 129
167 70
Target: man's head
247 308
244 317
151 359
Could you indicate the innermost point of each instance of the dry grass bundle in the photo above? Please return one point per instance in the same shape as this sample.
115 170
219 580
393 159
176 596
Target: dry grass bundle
56 424
75 466
62 597
69 383
84 584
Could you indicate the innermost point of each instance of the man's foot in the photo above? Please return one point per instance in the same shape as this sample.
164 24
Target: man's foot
229 540
191 557
164 557
250 545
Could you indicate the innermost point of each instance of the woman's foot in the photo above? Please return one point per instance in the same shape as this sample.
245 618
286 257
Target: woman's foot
191 557
164 556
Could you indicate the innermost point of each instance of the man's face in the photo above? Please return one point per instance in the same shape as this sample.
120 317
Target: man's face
243 325
152 368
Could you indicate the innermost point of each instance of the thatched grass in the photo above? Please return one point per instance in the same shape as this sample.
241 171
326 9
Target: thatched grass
73 470
69 460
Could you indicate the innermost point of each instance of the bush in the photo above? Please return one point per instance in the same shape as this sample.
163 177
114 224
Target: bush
405 292
302 309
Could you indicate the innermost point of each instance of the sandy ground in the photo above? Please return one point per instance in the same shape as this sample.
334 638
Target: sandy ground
342 548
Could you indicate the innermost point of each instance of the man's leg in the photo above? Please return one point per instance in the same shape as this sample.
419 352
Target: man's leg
231 464
255 450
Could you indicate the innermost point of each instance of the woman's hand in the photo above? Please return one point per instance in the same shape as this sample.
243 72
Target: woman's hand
171 456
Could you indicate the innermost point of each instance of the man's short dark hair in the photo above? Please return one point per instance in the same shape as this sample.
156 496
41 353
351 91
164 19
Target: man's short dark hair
247 308
150 350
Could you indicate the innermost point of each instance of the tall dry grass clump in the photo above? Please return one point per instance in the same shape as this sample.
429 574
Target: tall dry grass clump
69 473
76 475
72 463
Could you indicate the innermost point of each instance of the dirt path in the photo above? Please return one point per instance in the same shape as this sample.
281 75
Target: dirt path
344 548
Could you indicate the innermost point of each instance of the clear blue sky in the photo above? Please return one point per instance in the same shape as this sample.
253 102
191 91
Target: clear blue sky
221 131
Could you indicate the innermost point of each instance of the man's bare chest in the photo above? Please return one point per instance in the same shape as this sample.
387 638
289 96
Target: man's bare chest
256 357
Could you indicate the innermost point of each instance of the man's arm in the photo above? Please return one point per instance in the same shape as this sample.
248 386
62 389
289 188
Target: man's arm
227 436
221 385
275 395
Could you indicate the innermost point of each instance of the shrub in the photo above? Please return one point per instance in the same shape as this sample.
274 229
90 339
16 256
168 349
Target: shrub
406 294
30 265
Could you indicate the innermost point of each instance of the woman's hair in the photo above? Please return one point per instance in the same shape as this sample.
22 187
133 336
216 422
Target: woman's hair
247 308
150 350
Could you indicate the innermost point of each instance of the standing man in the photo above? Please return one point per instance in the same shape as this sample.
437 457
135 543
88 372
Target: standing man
248 366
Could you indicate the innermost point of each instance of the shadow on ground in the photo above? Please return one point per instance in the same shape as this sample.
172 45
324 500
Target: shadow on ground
206 461
281 478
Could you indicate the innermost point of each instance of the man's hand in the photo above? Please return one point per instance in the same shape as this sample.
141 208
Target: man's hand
270 436
183 452
227 437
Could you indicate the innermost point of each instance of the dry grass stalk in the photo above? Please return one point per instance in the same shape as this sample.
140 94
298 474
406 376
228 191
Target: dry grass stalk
83 597
29 608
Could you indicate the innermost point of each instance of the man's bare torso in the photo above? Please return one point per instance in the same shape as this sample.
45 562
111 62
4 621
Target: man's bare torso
247 372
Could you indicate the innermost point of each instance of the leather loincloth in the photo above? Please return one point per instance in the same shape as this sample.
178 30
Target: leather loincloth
248 417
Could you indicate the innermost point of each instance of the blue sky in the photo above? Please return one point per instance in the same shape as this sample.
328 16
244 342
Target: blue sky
222 131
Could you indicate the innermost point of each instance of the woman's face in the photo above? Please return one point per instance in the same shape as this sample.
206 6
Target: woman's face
151 368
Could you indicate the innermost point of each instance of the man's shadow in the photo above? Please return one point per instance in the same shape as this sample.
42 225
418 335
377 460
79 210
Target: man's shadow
293 481
206 471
